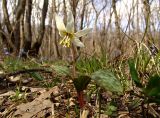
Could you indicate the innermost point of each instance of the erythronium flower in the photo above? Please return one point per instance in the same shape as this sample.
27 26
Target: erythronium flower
67 33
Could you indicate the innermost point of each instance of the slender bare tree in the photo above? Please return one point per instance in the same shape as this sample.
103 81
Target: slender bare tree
73 4
14 31
117 24
38 43
83 15
28 33
19 12
98 12
55 9
147 16
8 26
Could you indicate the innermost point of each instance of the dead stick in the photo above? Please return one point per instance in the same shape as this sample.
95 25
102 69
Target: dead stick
4 76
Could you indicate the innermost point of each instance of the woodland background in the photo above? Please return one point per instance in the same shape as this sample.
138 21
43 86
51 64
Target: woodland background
28 27
116 74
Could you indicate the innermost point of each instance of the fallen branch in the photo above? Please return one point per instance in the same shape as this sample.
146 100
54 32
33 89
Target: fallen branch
7 75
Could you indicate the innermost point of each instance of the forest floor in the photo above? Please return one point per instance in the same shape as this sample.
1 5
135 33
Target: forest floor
51 95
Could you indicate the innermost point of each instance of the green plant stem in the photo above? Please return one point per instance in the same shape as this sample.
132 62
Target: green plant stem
73 62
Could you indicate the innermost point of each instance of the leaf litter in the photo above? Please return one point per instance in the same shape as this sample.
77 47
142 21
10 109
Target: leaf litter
42 99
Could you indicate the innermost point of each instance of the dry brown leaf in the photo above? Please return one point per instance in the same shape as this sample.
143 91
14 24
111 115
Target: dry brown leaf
153 112
84 114
9 93
1 72
40 105
33 90
15 79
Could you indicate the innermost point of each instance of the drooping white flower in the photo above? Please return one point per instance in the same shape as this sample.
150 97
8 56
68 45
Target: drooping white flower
67 32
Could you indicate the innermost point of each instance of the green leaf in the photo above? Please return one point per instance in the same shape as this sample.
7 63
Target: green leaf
154 100
108 81
135 103
134 73
81 82
36 75
88 65
61 70
153 86
110 109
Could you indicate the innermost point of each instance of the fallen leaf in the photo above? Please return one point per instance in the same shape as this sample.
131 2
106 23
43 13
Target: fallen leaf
39 105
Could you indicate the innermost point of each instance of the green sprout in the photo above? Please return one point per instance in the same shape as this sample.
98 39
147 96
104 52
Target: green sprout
67 33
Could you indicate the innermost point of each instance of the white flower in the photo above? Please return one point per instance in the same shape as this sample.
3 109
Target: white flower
67 32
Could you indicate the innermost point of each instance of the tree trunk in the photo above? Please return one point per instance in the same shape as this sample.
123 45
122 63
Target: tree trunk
38 43
19 13
8 26
147 14
65 51
6 39
117 25
6 17
3 37
74 4
82 16
28 32
82 19
98 12
56 49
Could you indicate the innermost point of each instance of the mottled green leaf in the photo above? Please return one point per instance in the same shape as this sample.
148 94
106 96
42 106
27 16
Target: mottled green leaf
61 70
37 76
81 83
153 86
107 80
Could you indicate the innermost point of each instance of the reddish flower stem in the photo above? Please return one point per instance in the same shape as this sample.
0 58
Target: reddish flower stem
80 99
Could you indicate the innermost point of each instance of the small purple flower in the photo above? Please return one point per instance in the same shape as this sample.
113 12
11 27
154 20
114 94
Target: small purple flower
5 51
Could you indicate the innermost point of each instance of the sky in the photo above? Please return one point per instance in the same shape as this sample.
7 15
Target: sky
124 7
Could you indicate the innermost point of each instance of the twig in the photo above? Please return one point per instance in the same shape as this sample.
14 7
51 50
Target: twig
5 76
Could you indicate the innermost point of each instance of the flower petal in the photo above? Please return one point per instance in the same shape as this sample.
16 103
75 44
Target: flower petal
83 32
62 33
70 23
78 43
60 24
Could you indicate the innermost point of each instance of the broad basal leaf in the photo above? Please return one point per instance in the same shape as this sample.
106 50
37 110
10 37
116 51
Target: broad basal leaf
61 70
81 83
36 75
153 86
107 80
